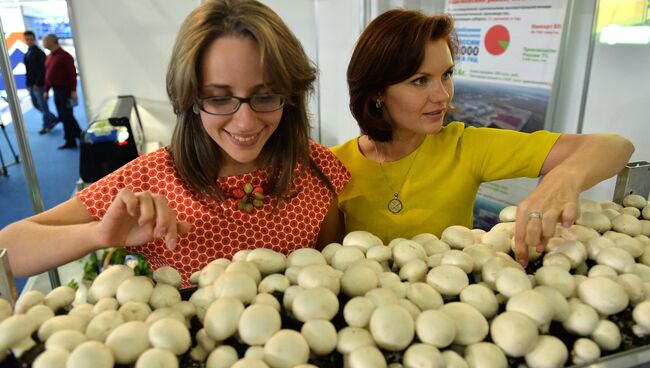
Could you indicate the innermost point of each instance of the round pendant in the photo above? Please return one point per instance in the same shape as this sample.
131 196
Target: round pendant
395 205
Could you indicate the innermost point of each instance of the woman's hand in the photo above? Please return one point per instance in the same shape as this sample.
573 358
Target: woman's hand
138 218
555 200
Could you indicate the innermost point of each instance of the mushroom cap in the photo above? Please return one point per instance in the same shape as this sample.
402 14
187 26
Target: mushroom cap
423 355
167 275
363 239
222 318
352 338
485 354
457 236
436 328
549 351
159 358
91 354
357 311
582 320
607 335
603 294
471 326
585 351
258 323
534 305
286 348
316 303
15 329
321 336
127 341
514 332
482 298
392 327
447 280
170 334
304 257
267 260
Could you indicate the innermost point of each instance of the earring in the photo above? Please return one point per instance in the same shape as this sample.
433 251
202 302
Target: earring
378 103
195 109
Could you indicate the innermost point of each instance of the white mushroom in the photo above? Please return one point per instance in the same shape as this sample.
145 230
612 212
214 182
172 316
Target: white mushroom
57 323
320 276
414 270
105 304
424 296
127 341
27 300
423 355
91 354
39 314
458 237
258 323
485 354
345 256
363 239
641 316
447 280
273 282
358 279
603 294
304 257
267 261
223 356
511 281
497 240
102 325
508 214
169 334
159 358
165 312
266 299
392 327
514 332
585 351
557 259
603 271
454 360
459 259
53 358
235 284
582 319
357 311
135 311
352 338
366 356
329 250
209 274
167 275
607 335
595 220
316 303
633 286
618 259
222 318
626 224
107 282
286 348
549 352
60 297
16 331
632 211
471 326
481 298
250 363
436 328
134 289
556 277
321 336
534 305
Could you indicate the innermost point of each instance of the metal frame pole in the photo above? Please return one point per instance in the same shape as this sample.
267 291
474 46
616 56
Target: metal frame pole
21 137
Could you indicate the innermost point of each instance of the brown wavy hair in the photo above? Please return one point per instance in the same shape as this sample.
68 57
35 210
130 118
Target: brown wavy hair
195 154
389 51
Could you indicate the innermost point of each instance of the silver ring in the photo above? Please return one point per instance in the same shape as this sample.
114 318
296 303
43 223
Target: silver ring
535 214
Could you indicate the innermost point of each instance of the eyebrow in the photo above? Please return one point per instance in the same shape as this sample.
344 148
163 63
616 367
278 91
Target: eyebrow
429 74
226 86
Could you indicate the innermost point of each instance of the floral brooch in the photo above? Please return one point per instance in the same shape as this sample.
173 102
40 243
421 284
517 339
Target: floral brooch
249 197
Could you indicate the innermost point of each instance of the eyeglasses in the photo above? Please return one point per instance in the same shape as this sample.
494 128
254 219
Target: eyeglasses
226 105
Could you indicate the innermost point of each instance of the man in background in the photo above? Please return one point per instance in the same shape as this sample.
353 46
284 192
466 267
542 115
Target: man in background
61 76
34 61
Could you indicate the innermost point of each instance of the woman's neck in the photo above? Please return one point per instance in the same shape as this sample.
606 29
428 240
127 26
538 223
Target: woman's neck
394 150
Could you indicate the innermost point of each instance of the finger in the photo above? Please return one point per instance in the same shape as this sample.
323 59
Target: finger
521 250
171 235
129 200
163 216
184 227
570 214
549 221
533 232
147 210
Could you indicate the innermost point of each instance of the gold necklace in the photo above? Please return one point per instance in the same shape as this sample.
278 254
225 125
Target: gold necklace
395 204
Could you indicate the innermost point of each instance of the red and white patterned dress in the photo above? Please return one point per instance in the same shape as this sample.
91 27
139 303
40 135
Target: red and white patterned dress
219 228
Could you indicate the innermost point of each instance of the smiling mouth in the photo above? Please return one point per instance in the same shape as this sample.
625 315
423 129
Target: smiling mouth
243 140
434 113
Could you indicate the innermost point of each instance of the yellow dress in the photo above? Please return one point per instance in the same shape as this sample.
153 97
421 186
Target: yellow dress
440 188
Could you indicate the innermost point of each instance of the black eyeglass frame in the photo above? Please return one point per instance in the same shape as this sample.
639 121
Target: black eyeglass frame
240 101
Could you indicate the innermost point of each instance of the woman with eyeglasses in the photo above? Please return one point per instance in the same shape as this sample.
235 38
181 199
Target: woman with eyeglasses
240 173
411 174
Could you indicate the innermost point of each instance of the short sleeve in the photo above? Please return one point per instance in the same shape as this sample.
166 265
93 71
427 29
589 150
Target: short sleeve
494 154
329 165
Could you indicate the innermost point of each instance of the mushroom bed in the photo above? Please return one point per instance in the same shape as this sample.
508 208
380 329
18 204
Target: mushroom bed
456 301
